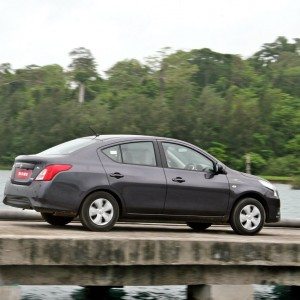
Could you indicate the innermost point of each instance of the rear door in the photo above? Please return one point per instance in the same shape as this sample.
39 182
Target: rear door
192 189
134 171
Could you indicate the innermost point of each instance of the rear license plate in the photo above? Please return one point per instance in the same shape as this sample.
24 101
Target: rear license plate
23 174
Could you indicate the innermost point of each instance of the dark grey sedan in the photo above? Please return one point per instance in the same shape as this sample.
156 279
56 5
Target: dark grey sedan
108 178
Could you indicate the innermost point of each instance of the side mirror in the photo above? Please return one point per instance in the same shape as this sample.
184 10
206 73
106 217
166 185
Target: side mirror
219 169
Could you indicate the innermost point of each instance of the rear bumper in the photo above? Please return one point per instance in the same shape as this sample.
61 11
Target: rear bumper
41 196
17 201
21 196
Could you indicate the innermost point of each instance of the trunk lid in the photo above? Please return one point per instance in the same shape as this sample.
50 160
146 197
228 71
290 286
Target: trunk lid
27 167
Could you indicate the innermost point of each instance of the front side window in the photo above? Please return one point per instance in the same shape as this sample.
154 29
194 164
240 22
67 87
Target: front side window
181 157
139 153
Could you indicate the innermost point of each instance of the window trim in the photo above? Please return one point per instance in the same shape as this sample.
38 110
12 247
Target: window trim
155 148
164 158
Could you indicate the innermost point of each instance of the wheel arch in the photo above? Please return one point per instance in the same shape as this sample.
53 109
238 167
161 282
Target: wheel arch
114 194
253 195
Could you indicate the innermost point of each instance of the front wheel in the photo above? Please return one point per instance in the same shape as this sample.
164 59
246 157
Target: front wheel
99 212
198 226
56 220
248 217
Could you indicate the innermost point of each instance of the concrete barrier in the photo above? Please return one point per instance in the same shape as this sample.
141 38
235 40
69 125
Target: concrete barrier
141 254
10 293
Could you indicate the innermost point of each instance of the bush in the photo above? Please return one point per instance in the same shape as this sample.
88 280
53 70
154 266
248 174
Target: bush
258 163
288 165
296 182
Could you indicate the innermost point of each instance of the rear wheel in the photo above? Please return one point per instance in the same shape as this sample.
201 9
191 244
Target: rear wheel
248 217
198 226
56 220
99 212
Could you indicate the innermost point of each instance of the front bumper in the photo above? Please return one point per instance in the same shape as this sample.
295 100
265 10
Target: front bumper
273 208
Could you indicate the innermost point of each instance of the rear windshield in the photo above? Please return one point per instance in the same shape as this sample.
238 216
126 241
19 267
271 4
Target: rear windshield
68 147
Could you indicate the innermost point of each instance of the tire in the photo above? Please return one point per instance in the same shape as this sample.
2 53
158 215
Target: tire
198 226
248 217
56 220
99 212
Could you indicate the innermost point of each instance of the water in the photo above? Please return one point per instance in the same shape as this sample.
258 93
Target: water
290 201
126 293
261 292
4 175
290 208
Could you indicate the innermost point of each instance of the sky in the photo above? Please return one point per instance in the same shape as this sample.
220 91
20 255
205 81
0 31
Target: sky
45 31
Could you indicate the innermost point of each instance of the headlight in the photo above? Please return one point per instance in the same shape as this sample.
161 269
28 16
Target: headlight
270 186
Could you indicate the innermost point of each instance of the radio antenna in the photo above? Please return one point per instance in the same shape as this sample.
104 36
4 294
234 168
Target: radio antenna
94 132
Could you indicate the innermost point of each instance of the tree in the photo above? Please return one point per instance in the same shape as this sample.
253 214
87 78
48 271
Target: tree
129 77
224 103
158 66
5 68
211 117
83 69
271 52
211 66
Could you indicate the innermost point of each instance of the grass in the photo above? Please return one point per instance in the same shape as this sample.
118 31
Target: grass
296 182
5 167
282 179
293 180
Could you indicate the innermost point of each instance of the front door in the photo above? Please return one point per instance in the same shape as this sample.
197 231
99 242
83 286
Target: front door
192 189
134 173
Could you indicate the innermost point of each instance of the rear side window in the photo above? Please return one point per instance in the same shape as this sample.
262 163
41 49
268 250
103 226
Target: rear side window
139 153
68 147
113 153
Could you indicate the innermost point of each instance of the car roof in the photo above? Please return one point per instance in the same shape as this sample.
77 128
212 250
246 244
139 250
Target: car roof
112 138
124 137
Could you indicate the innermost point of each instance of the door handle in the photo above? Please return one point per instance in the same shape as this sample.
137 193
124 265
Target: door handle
116 175
178 179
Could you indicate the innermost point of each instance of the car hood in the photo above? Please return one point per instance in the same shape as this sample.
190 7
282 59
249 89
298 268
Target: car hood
251 176
235 176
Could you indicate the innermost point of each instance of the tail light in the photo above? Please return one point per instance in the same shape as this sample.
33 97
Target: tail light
50 171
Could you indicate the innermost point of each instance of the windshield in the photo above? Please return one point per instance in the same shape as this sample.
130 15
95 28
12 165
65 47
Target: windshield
68 147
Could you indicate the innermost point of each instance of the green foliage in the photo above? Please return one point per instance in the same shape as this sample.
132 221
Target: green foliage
221 102
286 165
281 179
219 151
296 182
83 66
258 163
293 145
